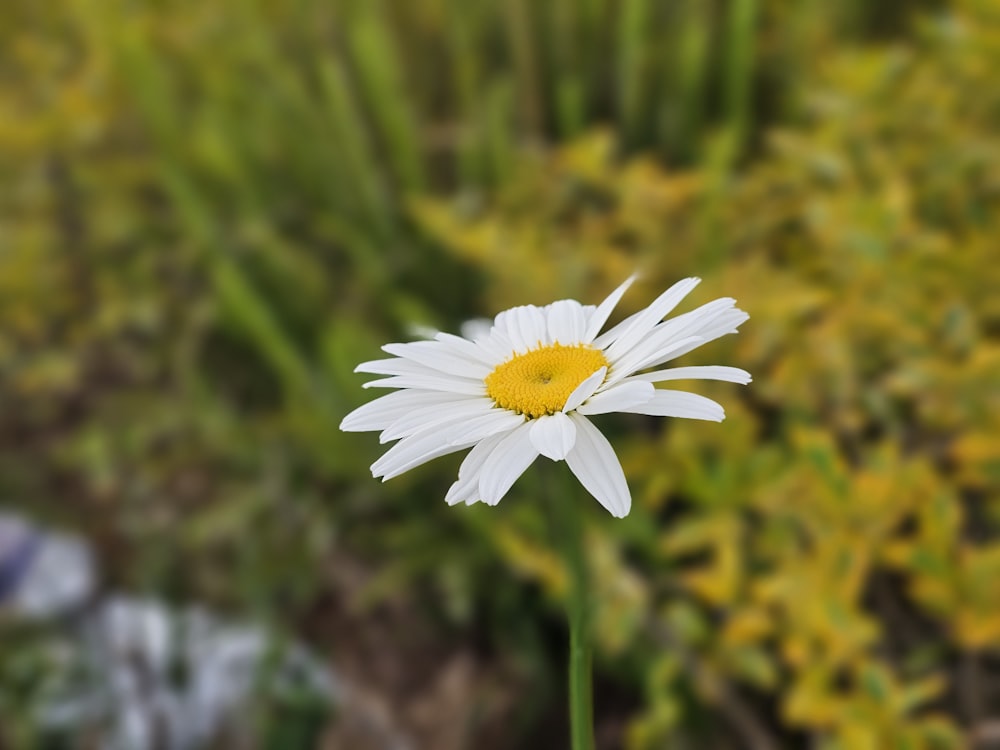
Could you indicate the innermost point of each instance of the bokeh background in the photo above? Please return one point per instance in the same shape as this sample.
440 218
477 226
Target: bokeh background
210 212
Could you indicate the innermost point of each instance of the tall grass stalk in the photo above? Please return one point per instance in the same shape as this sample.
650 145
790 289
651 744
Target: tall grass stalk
740 33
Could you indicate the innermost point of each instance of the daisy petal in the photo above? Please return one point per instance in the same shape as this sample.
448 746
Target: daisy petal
440 356
567 321
509 460
602 341
603 311
680 335
380 413
585 390
394 366
705 372
659 343
435 382
524 326
553 436
424 417
595 464
495 420
644 321
468 347
442 439
618 398
414 450
497 346
533 327
466 487
725 324
680 404
463 492
639 358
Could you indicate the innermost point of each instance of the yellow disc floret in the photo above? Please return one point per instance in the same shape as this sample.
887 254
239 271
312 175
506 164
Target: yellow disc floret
538 382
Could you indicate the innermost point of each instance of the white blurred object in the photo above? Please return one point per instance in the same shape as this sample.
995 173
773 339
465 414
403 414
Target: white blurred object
473 329
177 680
136 674
470 329
42 574
421 331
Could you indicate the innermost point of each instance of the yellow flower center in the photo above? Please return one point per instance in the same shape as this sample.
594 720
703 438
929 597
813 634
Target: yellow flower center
538 382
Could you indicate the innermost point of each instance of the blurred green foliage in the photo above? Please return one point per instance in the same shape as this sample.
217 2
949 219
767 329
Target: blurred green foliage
211 212
863 462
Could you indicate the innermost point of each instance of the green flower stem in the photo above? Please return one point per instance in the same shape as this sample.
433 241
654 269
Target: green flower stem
578 612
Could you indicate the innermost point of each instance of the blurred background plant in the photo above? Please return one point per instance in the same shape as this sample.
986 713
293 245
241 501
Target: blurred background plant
210 213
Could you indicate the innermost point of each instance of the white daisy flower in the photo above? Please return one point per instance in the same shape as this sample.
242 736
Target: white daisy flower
527 386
